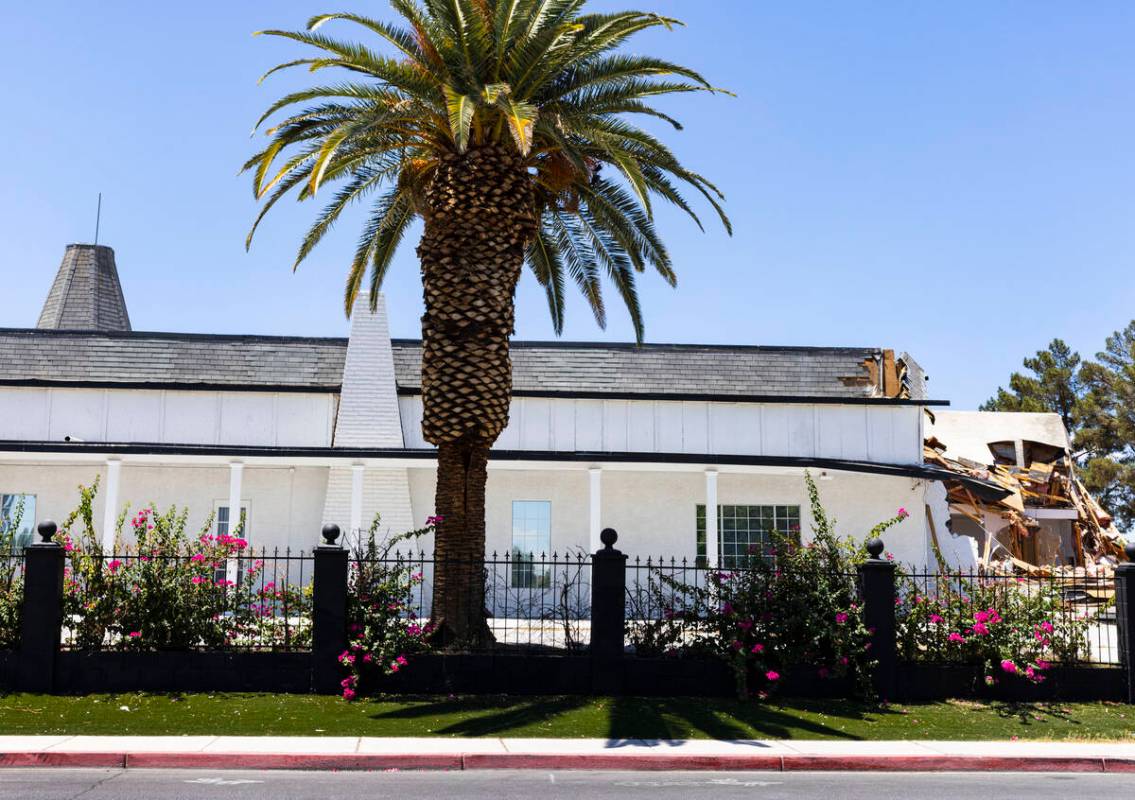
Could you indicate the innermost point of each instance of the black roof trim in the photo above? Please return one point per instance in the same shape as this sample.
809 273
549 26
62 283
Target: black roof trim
560 344
410 391
524 344
922 471
313 388
214 337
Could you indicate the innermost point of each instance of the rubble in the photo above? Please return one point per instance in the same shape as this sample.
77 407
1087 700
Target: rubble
1043 521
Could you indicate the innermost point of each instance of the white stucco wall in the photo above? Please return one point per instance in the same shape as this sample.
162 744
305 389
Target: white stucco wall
884 434
281 419
653 511
284 502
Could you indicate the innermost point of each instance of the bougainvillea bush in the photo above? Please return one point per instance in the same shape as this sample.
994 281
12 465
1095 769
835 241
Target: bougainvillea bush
790 610
11 579
1015 628
170 590
384 631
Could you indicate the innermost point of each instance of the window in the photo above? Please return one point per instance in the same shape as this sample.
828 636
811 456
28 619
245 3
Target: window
740 528
233 570
531 541
17 518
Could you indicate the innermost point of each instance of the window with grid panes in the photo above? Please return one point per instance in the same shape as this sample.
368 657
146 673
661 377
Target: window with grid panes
745 530
531 543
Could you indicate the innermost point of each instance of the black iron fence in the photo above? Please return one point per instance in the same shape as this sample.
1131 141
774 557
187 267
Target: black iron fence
286 615
249 601
1057 619
532 602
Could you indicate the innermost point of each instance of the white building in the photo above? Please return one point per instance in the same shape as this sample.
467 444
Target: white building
301 431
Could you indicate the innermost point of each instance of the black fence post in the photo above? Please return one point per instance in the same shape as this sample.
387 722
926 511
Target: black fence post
608 614
41 616
1125 617
329 612
877 587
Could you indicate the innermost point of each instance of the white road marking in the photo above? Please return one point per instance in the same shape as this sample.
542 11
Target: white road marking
222 781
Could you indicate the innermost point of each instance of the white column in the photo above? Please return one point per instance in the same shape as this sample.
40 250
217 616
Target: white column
711 517
595 475
357 474
236 474
110 509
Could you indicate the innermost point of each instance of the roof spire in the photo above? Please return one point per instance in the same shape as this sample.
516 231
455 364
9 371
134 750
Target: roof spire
86 294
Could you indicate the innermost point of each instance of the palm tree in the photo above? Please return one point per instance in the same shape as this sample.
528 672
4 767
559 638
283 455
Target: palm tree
503 125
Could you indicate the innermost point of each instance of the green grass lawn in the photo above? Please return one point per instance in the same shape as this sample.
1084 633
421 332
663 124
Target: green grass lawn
623 718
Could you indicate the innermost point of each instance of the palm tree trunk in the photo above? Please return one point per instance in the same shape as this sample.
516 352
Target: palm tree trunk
479 219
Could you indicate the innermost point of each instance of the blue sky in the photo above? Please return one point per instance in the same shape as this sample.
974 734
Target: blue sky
953 179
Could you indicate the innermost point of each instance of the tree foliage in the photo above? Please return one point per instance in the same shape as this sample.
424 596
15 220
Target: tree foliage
1096 401
542 77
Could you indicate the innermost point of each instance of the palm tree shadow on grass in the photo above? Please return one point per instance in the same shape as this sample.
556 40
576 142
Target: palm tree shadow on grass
504 714
656 719
1031 713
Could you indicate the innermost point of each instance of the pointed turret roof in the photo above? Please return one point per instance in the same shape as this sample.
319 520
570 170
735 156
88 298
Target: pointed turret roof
86 294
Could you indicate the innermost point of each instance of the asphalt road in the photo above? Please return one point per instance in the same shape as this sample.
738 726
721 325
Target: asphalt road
102 784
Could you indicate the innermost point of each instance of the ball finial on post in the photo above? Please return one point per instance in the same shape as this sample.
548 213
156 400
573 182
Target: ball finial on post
330 534
875 547
1130 551
47 530
608 536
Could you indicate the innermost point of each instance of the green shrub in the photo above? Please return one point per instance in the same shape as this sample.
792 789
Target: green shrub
1013 627
11 578
792 610
164 591
383 629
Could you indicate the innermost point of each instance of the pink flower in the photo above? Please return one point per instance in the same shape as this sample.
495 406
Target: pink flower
437 519
1042 664
402 660
772 675
936 619
980 616
1047 627
737 645
727 608
956 637
348 694
758 648
135 634
903 513
395 666
841 617
980 629
1009 666
198 579
745 624
112 566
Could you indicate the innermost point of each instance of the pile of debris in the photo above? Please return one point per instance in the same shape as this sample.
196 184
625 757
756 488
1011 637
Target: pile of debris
1037 481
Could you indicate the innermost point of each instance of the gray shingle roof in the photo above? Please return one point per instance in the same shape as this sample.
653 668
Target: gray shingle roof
86 293
170 358
539 367
671 369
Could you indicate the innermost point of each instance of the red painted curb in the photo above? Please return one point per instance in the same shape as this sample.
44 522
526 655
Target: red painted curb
115 760
936 763
622 761
605 761
356 761
1119 765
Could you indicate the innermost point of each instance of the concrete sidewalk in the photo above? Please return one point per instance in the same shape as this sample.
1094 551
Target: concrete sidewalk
352 753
